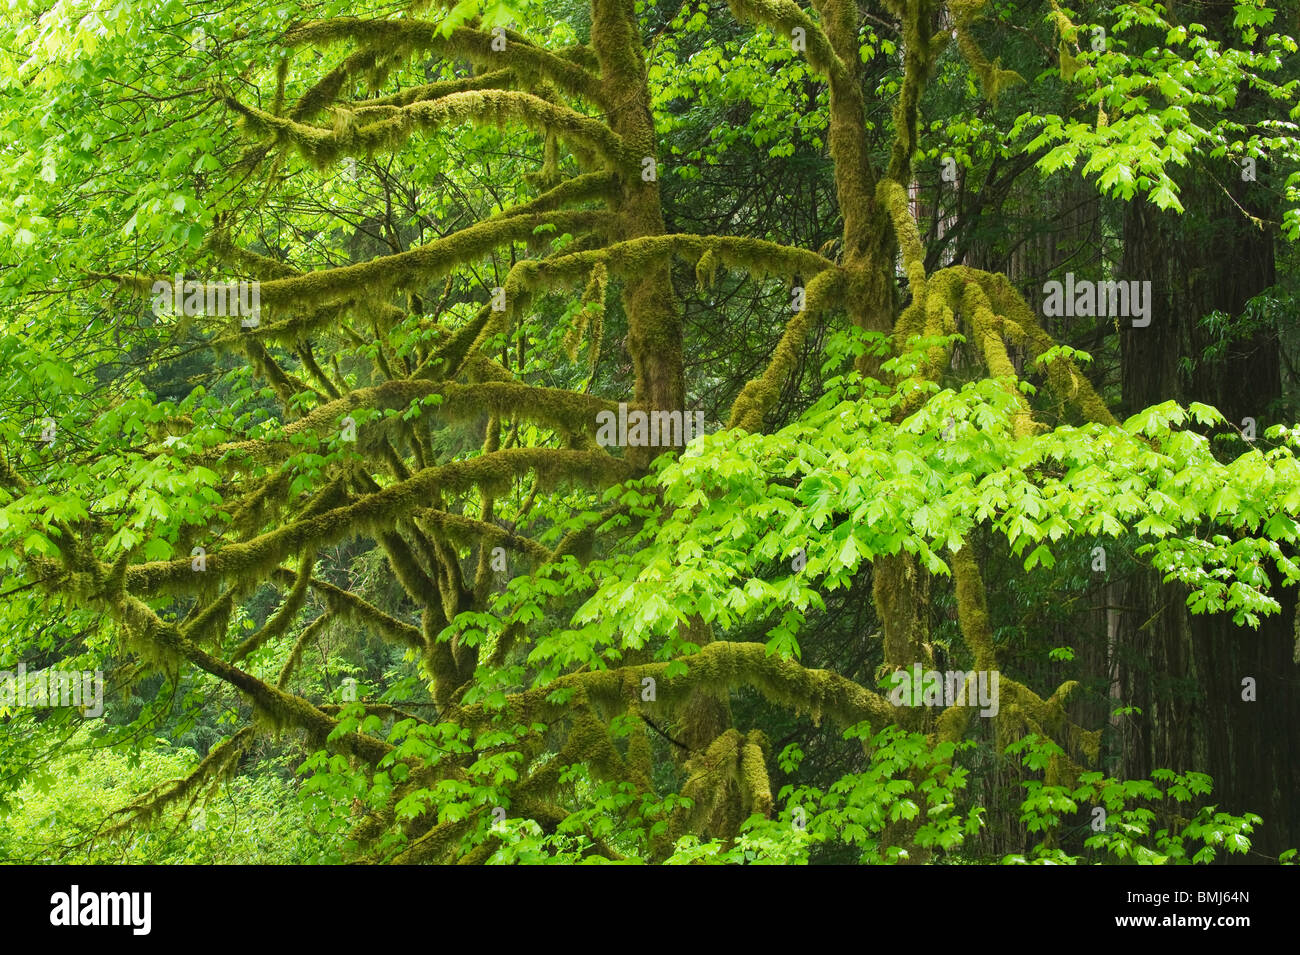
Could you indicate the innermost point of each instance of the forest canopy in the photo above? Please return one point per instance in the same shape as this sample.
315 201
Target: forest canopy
650 432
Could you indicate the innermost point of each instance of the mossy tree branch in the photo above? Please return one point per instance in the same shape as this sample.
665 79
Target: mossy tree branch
564 68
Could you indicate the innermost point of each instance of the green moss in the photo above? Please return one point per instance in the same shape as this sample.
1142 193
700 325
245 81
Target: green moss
349 606
279 622
993 78
386 129
757 787
567 69
220 764
760 394
308 636
783 16
894 198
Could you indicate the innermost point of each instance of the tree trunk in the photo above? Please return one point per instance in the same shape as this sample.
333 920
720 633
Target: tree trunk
1185 671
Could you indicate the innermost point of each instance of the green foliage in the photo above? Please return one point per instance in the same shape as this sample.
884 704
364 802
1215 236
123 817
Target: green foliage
58 814
563 653
1159 94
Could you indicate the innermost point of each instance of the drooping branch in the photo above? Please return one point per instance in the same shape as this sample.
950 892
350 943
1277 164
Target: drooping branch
567 411
1017 703
526 60
162 642
282 708
344 603
220 762
309 633
760 394
785 17
993 78
279 622
715 668
387 132
380 510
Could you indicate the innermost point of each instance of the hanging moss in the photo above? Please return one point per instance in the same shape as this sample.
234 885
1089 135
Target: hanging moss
281 74
308 635
757 788
1065 27
1069 64
494 473
279 622
993 78
592 313
262 502
706 270
284 384
220 764
220 243
347 605
386 131
566 68
783 16
714 786
760 394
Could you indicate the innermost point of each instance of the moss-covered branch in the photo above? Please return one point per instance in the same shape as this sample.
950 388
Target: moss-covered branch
309 633
387 131
564 68
993 78
718 667
634 256
220 763
462 529
760 394
379 511
566 411
279 622
893 197
1018 705
423 263
784 17
921 51
1022 327
344 603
